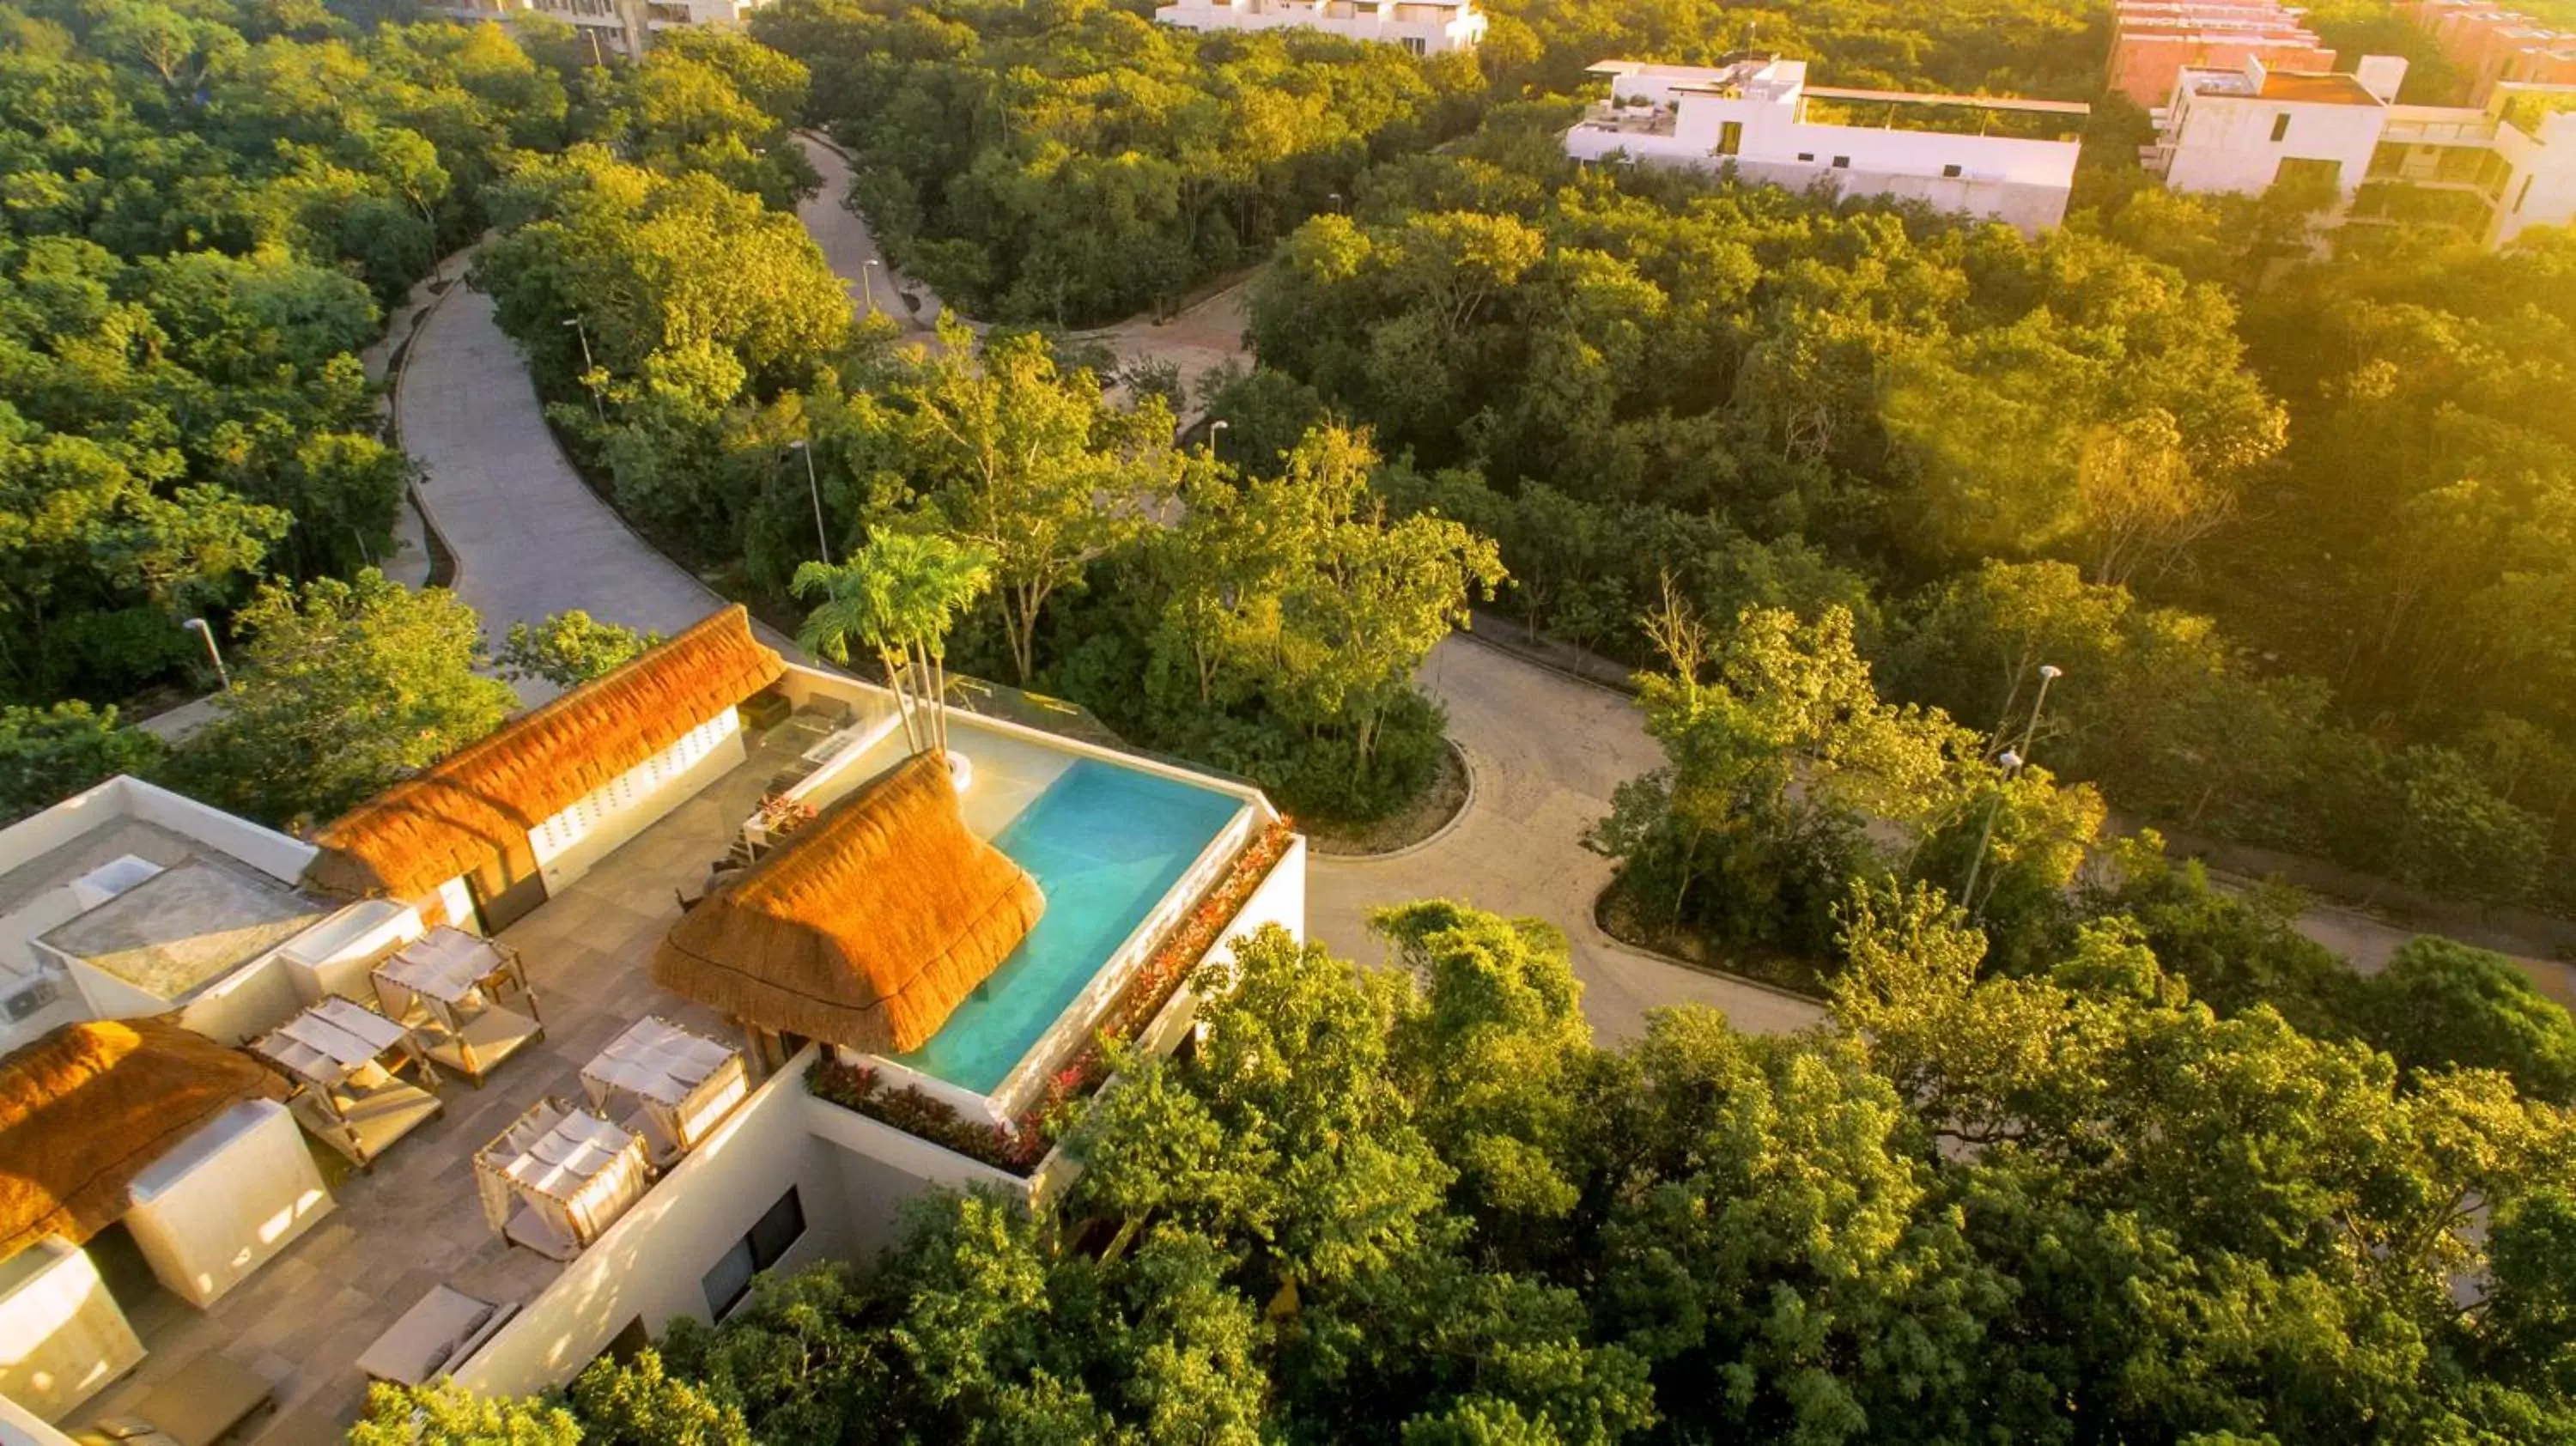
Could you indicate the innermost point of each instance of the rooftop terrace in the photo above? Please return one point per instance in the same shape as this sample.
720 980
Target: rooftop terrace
1081 819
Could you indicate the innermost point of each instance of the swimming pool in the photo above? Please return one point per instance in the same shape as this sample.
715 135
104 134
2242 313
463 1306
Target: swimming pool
1105 843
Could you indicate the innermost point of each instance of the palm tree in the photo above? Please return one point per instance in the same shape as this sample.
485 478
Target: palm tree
899 596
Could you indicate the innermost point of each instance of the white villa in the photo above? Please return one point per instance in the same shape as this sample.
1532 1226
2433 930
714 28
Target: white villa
622 28
2498 169
514 1064
1425 27
2004 159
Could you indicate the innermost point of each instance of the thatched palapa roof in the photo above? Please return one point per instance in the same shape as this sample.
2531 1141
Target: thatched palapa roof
866 927
88 1107
482 800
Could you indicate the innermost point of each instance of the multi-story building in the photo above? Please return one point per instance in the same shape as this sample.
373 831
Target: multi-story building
2155 41
1425 27
620 28
2241 130
637 918
2494 170
2003 159
2491 45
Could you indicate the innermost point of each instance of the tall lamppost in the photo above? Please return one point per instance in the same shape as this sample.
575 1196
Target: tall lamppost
868 282
587 367
814 489
200 627
1213 428
2048 673
2010 763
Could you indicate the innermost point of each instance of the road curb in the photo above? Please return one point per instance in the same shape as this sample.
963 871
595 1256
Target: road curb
1777 991
443 556
1466 805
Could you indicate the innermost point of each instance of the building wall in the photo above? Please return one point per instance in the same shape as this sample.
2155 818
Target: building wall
2542 189
1424 29
594 825
2030 193
651 1262
2224 142
63 1338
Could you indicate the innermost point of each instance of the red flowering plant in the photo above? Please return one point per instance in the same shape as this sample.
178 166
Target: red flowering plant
1156 981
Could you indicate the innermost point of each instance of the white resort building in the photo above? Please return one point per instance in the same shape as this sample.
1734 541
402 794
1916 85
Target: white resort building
620 28
2493 170
1425 27
2003 159
696 971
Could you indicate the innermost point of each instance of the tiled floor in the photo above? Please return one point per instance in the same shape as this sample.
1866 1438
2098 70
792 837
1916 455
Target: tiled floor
414 1222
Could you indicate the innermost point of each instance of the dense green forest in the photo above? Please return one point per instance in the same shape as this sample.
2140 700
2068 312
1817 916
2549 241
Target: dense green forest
1420 1205
1075 163
2293 542
207 214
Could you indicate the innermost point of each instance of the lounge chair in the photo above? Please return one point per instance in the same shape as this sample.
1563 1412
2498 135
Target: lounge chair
203 1402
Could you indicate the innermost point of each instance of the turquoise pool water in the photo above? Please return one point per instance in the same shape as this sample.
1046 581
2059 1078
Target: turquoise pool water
1105 843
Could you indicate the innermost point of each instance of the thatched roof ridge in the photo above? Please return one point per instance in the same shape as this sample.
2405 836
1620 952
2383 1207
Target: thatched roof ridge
482 800
866 928
87 1107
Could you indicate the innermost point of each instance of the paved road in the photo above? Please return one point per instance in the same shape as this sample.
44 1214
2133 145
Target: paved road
530 539
1547 751
843 235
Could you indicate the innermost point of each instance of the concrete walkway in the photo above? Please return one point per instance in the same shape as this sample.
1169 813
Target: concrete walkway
1547 752
530 539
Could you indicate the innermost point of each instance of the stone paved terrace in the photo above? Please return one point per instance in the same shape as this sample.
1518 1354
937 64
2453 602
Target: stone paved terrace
414 1222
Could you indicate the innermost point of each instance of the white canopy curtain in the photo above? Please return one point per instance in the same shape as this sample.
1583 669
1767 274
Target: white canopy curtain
450 985
682 1084
559 1177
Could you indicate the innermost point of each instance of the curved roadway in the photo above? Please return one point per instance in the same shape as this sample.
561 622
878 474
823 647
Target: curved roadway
532 540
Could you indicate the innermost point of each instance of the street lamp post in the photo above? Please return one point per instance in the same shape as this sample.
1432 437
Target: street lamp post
2048 673
200 627
2010 763
868 282
1213 428
587 367
814 489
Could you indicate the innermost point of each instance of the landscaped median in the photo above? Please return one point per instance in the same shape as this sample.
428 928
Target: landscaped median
1023 1145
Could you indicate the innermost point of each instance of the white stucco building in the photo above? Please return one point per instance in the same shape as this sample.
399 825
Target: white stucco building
2003 159
620 28
665 1146
1425 27
2495 170
2241 130
2499 169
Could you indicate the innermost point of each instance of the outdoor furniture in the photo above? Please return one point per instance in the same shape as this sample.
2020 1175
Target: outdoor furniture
346 1062
559 1177
434 1337
666 1084
201 1403
451 986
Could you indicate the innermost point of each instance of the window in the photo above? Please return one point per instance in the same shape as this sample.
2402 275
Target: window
1416 44
1806 155
729 1280
2281 126
1842 163
1949 170
1730 137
